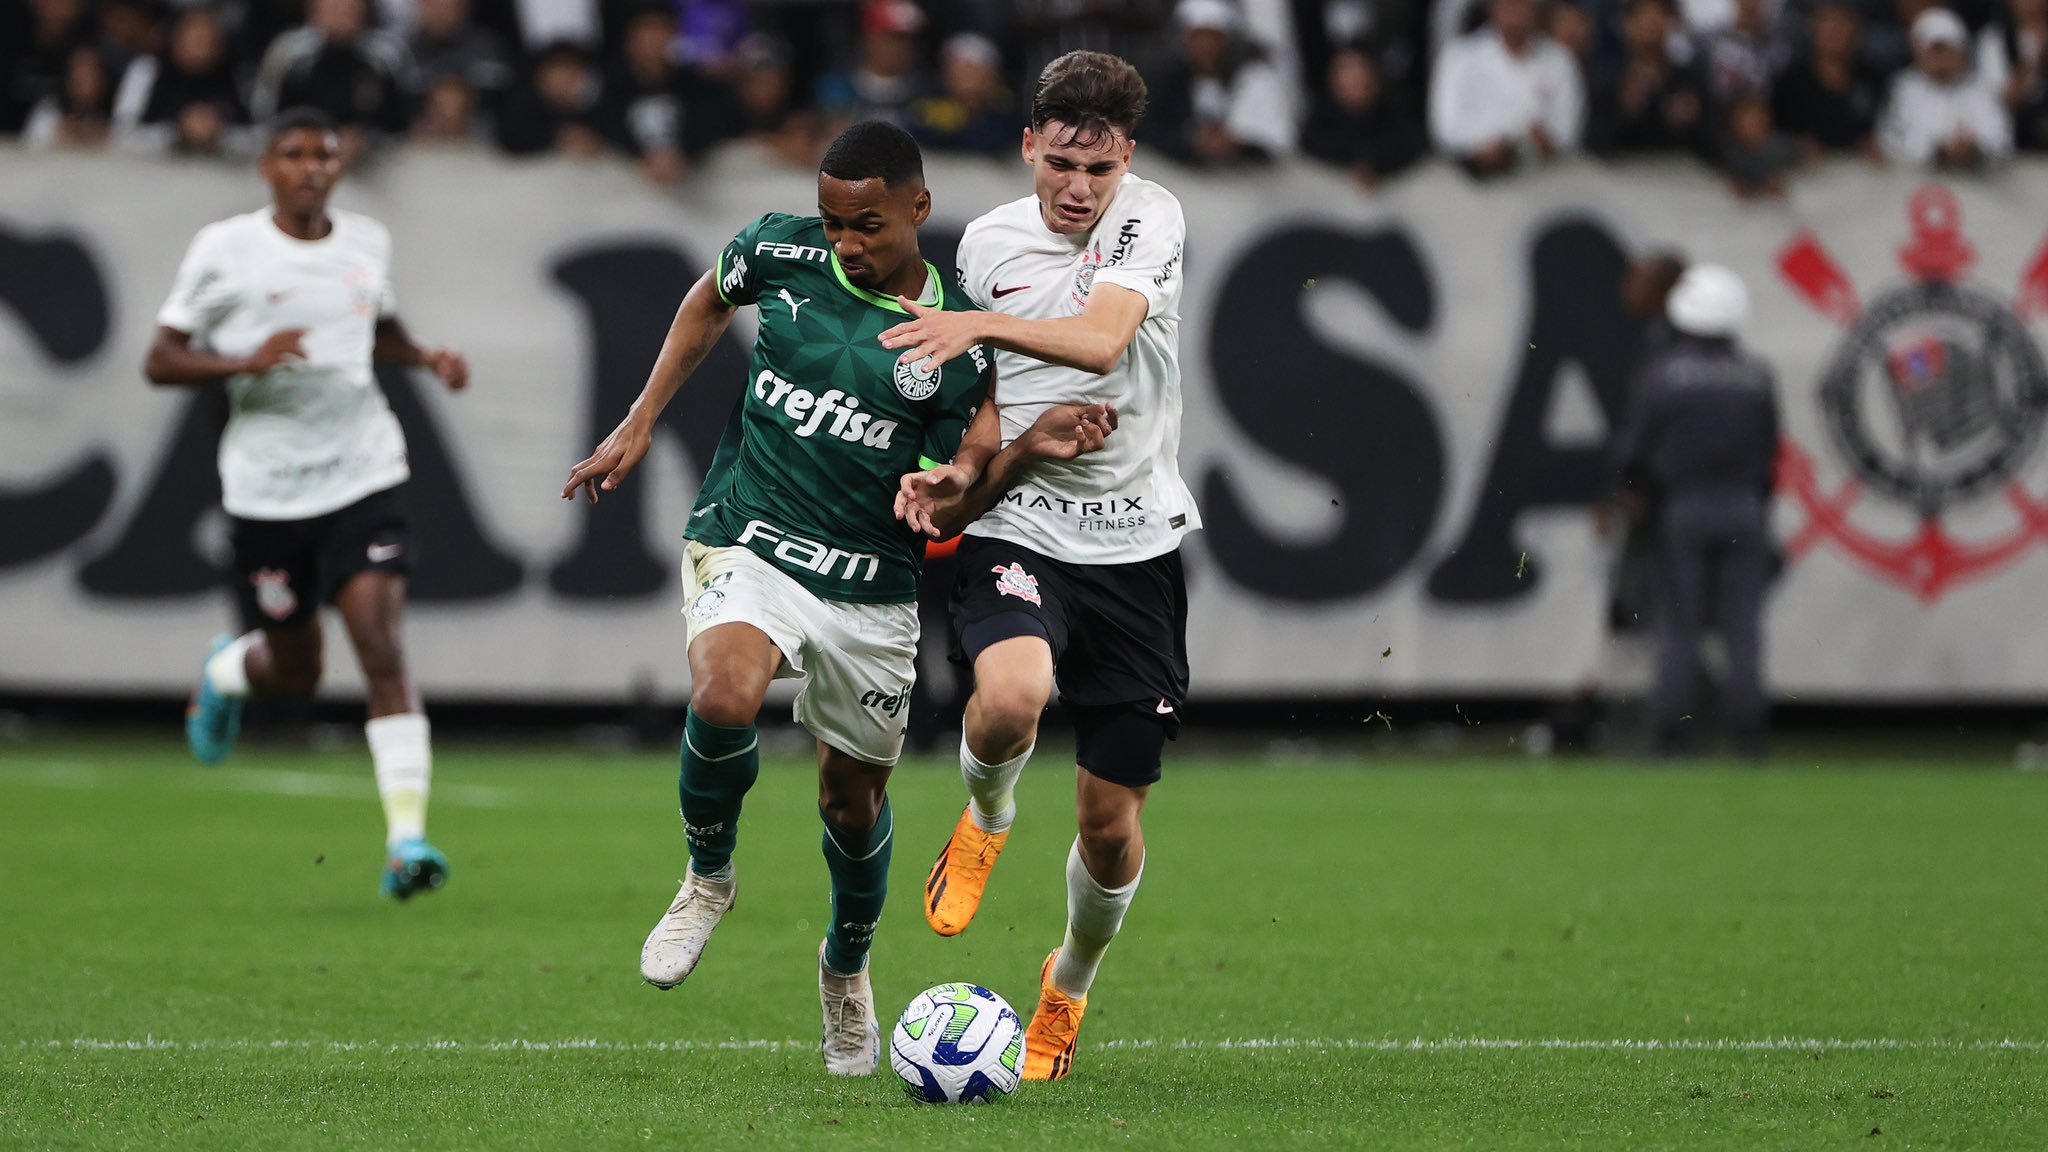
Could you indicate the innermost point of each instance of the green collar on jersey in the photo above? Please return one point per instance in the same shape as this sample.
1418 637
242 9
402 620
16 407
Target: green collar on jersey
932 278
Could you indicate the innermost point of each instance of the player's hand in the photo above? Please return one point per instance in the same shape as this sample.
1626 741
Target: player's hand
1066 431
283 347
931 334
612 462
923 497
449 365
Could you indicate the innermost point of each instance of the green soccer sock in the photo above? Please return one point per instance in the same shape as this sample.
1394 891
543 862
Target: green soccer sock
859 863
719 765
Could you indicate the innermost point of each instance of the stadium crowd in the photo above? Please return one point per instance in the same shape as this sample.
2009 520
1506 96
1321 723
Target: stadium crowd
1756 88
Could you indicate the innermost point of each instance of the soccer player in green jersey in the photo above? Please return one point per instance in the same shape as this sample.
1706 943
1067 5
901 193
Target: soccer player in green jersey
796 564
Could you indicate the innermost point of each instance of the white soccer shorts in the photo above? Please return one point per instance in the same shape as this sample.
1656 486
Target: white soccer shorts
856 661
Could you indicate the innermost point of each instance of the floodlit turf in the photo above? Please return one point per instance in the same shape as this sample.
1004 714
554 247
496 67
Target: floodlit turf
1425 954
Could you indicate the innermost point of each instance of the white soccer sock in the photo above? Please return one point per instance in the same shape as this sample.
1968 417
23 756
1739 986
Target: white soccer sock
991 788
1094 916
228 669
404 760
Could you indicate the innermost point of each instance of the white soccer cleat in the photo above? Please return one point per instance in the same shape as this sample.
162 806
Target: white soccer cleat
677 942
853 1039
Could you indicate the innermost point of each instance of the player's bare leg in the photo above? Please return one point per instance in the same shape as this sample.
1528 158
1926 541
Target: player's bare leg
853 801
731 666
372 605
1012 683
1103 869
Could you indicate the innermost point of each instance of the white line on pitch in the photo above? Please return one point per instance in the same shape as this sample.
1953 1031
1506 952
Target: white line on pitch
1283 1044
264 781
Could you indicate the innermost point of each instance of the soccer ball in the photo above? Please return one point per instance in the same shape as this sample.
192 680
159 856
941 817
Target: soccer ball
958 1044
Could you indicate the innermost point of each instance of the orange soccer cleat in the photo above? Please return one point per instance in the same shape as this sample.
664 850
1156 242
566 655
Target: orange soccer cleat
952 894
1055 1029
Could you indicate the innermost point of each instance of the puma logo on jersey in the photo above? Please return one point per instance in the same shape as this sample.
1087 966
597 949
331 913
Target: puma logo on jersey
810 411
793 302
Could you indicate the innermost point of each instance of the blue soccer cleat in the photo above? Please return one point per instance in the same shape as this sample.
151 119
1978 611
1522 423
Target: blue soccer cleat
414 866
212 720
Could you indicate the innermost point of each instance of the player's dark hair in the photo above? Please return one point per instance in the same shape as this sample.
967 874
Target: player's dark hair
294 119
874 149
1092 94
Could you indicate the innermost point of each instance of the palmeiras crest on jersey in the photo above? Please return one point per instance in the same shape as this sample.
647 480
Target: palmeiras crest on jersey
918 379
1935 400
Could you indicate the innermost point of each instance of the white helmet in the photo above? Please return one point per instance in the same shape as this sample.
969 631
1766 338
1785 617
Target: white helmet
1708 300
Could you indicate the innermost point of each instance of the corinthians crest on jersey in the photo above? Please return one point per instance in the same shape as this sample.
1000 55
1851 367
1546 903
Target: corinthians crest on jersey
1935 401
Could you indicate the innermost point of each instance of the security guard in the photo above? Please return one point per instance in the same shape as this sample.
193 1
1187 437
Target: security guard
1702 439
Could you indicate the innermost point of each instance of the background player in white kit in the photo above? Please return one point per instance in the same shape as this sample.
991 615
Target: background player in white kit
289 305
1074 574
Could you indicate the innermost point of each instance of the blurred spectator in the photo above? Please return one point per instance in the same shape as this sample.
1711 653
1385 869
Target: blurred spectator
709 34
1571 26
546 24
34 62
759 106
1830 99
1360 123
1657 102
887 79
973 111
130 30
1940 112
1222 105
191 103
360 76
2023 51
80 114
559 109
446 42
644 96
1506 93
1755 155
1888 42
449 112
1045 30
1746 56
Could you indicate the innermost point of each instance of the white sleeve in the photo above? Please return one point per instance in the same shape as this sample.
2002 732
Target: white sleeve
1456 128
1990 124
1902 140
1261 110
1567 116
972 259
203 294
1142 243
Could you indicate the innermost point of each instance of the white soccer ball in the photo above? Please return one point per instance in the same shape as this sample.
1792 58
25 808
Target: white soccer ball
958 1044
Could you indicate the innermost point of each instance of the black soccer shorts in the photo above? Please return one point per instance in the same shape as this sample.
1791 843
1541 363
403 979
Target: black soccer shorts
1119 643
284 570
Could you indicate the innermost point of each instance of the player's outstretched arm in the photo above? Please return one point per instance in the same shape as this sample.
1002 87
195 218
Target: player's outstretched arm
700 321
173 361
1095 341
943 501
395 345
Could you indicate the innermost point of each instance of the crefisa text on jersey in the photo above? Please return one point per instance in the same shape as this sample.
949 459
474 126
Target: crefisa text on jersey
809 411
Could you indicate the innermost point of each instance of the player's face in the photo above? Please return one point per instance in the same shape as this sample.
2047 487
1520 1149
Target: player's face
873 228
1074 176
303 166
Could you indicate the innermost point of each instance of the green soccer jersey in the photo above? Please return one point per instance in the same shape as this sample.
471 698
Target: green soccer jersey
806 473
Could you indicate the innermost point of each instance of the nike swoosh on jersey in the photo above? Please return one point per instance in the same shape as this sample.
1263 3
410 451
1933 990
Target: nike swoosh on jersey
999 293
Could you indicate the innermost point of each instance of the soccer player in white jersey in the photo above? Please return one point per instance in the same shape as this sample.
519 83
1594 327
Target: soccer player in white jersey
288 306
1073 576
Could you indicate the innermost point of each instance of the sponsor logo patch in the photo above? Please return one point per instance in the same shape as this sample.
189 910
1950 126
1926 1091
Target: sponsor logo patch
274 595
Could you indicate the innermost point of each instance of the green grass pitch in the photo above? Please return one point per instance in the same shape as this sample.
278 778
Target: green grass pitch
1399 954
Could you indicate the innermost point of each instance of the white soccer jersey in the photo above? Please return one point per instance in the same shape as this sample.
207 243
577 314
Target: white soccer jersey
303 439
1127 502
